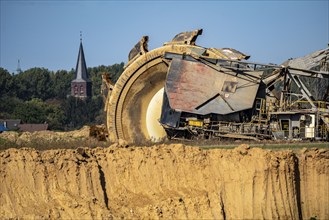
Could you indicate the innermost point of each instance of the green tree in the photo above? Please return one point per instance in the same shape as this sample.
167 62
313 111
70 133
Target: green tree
61 81
34 83
33 111
95 75
5 82
8 105
79 112
55 117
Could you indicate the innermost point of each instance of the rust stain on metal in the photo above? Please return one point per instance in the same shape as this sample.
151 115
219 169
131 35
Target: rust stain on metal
195 87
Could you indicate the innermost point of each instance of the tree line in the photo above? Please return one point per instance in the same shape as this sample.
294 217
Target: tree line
38 95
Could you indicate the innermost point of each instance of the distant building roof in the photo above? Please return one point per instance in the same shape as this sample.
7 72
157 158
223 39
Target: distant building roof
81 74
33 127
11 124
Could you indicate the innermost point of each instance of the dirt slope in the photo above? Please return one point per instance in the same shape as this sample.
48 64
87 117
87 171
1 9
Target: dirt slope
164 181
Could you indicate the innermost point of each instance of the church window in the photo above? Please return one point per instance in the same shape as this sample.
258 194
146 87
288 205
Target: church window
75 89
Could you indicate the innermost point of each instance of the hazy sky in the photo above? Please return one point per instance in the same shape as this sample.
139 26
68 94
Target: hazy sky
46 33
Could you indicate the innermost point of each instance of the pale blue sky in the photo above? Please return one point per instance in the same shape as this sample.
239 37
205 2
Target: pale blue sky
46 33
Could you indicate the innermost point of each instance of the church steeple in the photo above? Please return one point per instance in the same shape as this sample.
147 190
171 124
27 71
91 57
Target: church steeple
81 85
81 73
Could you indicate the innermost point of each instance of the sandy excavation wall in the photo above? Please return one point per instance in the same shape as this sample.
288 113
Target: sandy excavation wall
165 181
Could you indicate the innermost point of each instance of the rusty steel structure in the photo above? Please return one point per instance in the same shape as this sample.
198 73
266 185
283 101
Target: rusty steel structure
184 91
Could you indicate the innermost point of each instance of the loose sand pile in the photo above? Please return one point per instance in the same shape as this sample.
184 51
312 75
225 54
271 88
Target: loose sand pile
94 136
49 136
164 181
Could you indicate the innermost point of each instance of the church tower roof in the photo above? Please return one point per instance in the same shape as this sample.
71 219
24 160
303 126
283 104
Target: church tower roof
81 85
81 73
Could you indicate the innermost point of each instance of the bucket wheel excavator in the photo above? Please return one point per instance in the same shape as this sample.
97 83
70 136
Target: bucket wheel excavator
183 90
134 106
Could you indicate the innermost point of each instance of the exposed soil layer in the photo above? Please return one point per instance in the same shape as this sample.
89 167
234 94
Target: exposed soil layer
164 181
